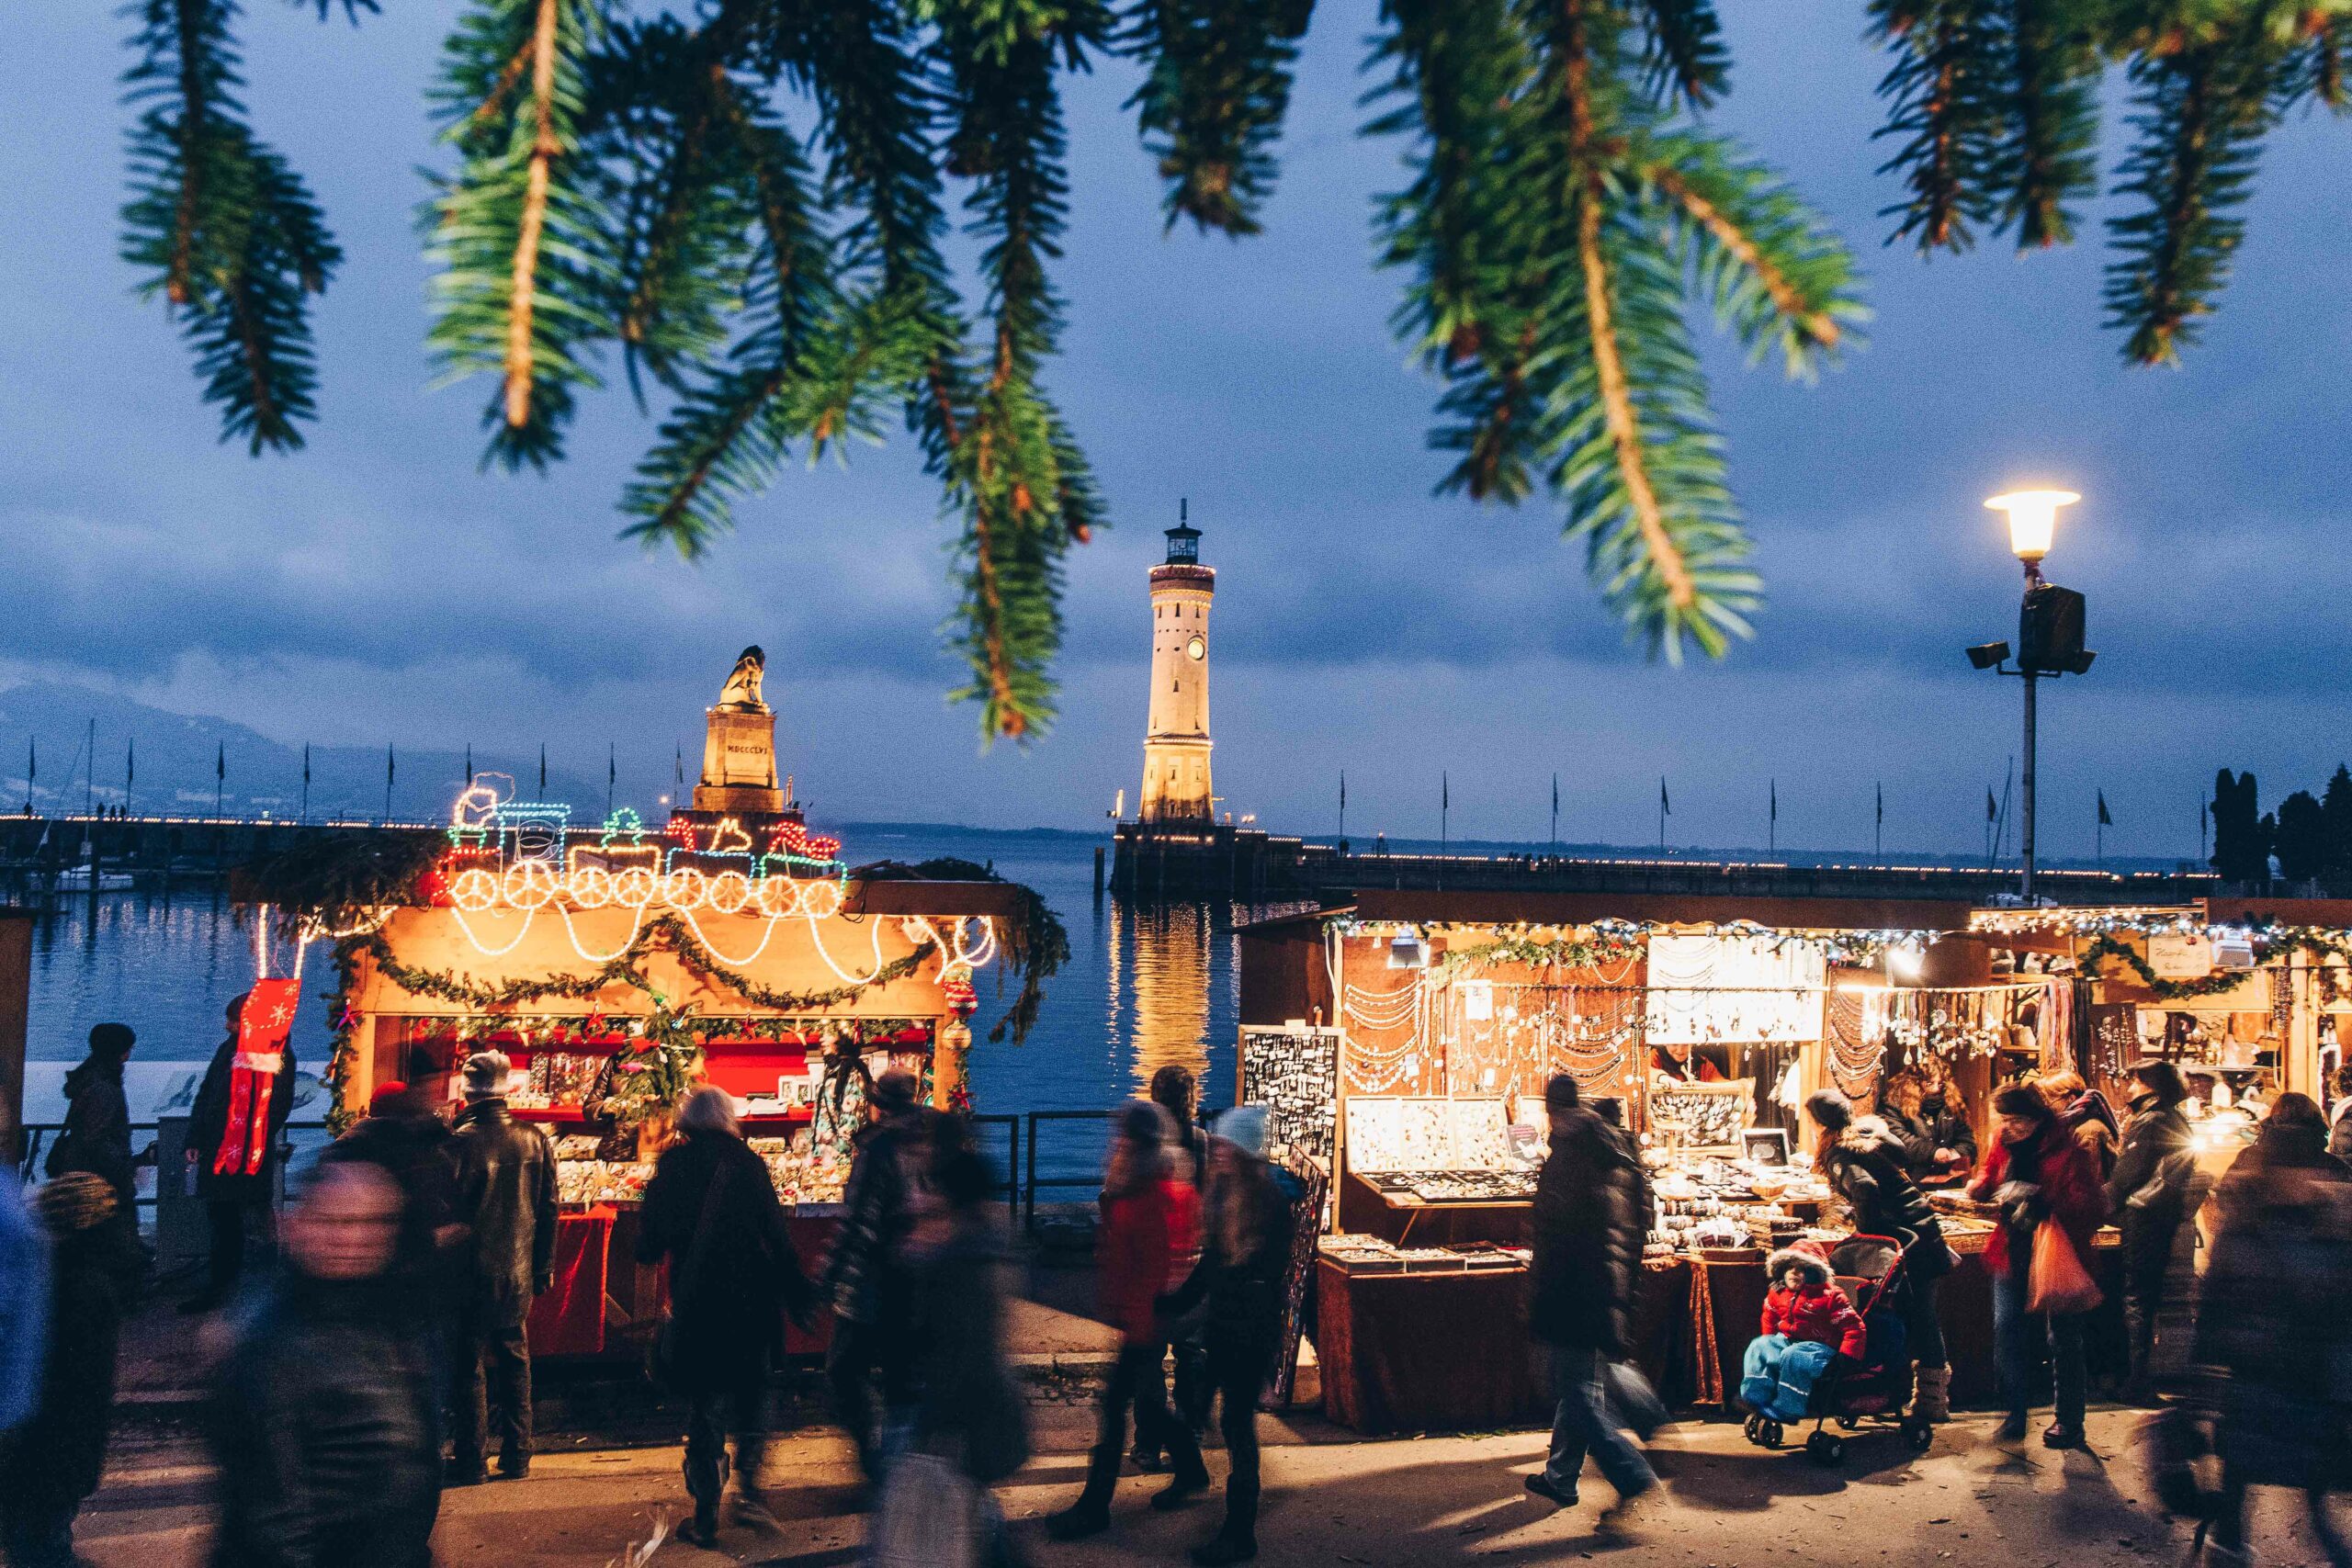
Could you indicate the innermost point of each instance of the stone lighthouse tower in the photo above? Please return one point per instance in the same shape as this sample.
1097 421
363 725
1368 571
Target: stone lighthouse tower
1176 734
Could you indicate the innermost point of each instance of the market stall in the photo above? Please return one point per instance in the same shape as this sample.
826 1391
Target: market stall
619 966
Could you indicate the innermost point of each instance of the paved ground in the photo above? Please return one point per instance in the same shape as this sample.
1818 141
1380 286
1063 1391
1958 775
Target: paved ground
1332 1501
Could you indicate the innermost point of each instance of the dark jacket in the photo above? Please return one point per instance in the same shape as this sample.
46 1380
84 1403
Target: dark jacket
2054 1162
418 1152
97 1136
1589 1220
54 1460
2152 1173
505 1195
1868 1166
971 1410
727 1316
863 1276
320 1429
1937 1127
1245 1293
2339 1132
208 1123
2272 1311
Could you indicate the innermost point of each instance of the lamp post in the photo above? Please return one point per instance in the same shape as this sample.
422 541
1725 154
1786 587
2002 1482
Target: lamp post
2050 628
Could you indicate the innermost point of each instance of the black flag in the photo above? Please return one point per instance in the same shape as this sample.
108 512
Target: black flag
682 764
220 763
1775 806
306 762
470 765
2103 820
1991 811
388 766
129 765
1445 791
1343 789
543 767
1664 805
1882 804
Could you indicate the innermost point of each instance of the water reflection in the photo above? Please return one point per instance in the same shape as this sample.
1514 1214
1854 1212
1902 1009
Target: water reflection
1167 950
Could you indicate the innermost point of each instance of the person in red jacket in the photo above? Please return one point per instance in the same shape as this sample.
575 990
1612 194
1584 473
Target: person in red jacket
1144 1247
2039 1174
1804 1303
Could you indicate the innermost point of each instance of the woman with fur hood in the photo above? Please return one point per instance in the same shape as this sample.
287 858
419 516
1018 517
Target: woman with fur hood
1863 1159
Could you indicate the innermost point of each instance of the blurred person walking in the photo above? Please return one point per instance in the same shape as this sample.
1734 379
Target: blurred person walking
1150 1228
503 1194
2086 1112
1175 1090
2040 1173
97 1134
2272 1317
1588 1226
711 1214
970 1416
52 1463
233 1132
1864 1162
1244 1263
2148 1192
318 1421
866 1278
24 1308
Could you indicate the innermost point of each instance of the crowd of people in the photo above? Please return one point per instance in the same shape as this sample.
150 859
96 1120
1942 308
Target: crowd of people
372 1367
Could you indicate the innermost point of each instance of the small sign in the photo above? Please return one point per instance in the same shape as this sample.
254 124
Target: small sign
1478 1001
1764 1145
2180 955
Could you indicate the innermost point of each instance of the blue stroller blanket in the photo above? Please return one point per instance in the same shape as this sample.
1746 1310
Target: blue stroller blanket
1779 1376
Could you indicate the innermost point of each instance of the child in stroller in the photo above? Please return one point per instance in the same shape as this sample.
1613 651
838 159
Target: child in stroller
1833 1345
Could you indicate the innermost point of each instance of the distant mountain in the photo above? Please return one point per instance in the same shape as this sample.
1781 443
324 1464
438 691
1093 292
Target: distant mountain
173 758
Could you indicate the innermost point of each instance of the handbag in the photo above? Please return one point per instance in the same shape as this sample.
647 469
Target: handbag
2057 1280
930 1517
662 1351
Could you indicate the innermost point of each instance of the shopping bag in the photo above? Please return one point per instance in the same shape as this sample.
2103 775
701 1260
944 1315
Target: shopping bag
930 1517
1638 1405
2057 1280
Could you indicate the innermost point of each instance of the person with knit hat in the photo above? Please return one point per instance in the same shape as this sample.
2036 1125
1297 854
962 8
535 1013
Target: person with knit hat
1149 1234
1863 1159
504 1196
51 1464
96 1135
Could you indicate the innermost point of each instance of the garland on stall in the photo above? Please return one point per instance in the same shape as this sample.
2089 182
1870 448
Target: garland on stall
2319 943
1563 952
524 991
653 1071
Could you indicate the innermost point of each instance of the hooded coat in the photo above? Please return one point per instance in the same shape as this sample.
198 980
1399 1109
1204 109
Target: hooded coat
1816 1309
1869 1168
96 1135
1590 1215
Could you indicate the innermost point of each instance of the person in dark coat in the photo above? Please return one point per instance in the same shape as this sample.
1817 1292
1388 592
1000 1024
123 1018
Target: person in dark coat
1244 1265
504 1196
318 1421
96 1135
236 1201
52 1463
403 1136
711 1214
2039 1172
2339 1122
1590 1216
865 1277
2147 1191
2272 1316
970 1411
1864 1163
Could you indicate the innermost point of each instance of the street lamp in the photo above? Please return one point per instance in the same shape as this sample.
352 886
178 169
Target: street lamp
2050 625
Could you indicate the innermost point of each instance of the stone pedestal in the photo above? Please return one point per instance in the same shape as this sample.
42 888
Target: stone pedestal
738 764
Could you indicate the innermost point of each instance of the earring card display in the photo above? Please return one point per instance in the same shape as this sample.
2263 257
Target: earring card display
1294 1074
1307 1221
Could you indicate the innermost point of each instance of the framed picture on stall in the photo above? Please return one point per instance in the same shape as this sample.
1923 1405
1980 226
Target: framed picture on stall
1764 1145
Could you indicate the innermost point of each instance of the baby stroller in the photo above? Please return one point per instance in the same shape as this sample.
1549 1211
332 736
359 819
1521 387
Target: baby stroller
1869 1268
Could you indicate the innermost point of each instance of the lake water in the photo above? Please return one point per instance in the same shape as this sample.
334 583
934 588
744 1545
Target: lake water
1143 988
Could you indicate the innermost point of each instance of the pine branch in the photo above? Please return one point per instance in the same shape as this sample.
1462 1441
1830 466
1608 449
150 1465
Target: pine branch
221 227
1216 84
521 234
1776 277
2201 112
2047 154
1685 53
1945 108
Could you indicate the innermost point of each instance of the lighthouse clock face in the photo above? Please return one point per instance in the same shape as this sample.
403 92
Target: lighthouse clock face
1196 648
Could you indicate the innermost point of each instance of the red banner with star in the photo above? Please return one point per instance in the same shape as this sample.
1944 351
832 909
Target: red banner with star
263 1025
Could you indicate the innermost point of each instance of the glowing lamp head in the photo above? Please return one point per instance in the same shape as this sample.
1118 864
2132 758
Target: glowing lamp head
2033 518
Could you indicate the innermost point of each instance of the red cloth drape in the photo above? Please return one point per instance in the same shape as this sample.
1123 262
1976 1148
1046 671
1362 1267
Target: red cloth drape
569 1319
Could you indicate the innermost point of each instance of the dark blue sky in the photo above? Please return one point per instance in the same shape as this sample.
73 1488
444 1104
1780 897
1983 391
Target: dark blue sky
376 587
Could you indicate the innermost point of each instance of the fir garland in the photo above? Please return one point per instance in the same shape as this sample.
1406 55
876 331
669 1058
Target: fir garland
655 1069
2320 943
1563 952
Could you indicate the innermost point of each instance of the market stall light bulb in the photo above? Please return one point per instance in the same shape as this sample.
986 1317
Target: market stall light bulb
2033 518
1904 961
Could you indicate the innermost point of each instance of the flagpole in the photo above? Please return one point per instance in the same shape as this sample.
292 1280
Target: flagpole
90 783
388 782
1772 822
1662 810
129 771
1878 825
1343 806
1555 816
306 780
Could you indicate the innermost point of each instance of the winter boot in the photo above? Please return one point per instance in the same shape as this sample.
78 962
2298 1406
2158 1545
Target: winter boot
1932 1402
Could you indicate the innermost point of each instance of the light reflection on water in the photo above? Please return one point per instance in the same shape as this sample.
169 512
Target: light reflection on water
1143 988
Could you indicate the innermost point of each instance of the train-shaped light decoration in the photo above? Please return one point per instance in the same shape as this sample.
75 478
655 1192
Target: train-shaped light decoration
505 854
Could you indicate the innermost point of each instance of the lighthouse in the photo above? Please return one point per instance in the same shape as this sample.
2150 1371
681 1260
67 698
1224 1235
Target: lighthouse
1176 730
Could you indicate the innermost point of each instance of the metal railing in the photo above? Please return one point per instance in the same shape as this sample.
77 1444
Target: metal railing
1031 1180
37 1135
